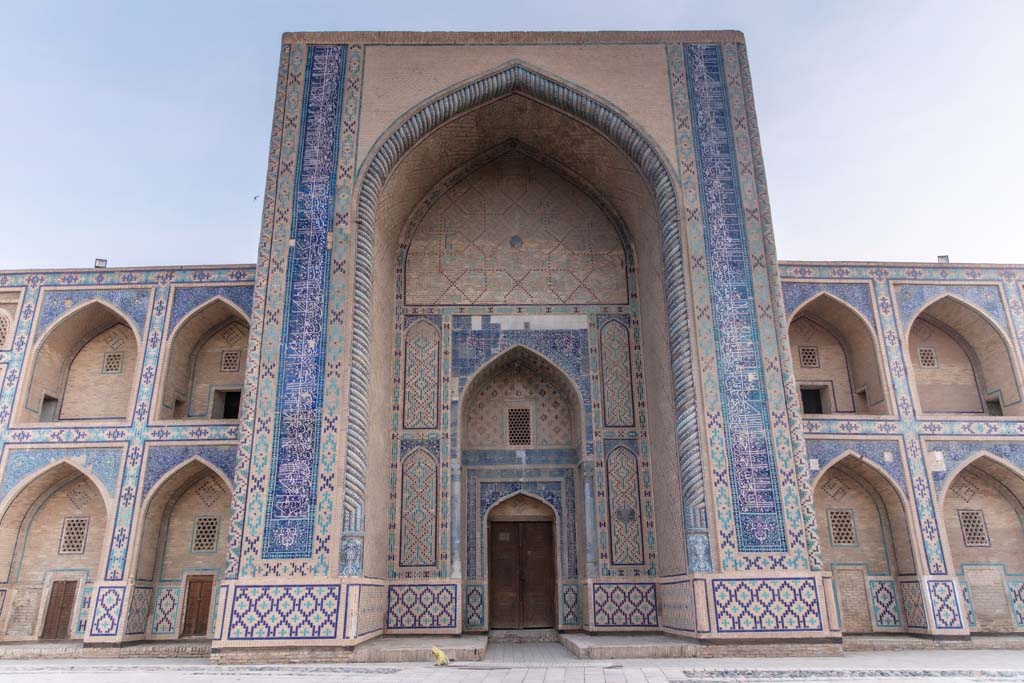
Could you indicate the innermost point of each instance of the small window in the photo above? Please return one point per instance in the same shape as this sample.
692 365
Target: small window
927 358
841 528
204 534
812 401
519 427
113 363
48 409
809 357
972 524
72 536
230 360
225 405
994 408
5 328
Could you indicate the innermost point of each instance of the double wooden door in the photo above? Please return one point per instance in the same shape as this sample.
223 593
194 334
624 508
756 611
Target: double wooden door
59 610
197 606
521 580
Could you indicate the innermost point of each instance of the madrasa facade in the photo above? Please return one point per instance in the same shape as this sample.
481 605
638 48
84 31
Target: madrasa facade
517 352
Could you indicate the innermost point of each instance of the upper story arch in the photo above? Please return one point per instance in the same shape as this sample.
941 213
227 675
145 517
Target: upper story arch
836 359
961 362
204 367
85 367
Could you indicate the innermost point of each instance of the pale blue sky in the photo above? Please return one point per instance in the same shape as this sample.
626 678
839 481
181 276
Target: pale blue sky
138 131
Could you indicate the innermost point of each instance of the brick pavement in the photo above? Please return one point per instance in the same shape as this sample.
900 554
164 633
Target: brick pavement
549 663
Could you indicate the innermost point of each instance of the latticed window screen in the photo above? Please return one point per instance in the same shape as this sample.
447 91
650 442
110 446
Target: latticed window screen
230 360
841 528
926 356
72 536
972 523
5 329
113 363
809 357
204 535
519 427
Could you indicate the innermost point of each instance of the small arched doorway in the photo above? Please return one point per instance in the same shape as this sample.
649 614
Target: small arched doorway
522 572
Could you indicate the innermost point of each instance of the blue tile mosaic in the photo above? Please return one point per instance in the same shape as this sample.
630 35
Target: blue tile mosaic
757 508
956 452
913 298
857 295
299 406
189 299
133 303
103 463
825 451
162 459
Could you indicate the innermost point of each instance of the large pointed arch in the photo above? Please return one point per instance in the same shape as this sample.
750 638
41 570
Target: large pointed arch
516 85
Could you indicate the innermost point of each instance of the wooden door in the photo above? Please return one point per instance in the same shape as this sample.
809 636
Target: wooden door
521 580
197 606
59 609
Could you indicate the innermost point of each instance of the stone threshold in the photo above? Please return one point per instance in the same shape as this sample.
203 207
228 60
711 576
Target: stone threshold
74 649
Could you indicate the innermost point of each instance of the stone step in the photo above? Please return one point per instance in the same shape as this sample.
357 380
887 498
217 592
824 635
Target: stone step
75 650
524 635
627 646
390 649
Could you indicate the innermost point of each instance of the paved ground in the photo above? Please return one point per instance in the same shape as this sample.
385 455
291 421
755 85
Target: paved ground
548 663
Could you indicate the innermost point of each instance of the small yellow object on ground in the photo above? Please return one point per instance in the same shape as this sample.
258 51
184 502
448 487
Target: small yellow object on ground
440 658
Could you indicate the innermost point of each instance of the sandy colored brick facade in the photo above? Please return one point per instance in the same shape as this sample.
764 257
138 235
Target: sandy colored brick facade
514 278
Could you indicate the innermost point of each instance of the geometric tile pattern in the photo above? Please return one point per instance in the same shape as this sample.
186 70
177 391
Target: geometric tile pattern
765 605
107 614
284 612
913 604
188 300
100 462
475 607
138 610
132 303
885 606
1016 589
616 370
965 589
296 452
423 606
491 240
745 414
165 614
624 507
571 604
422 355
945 608
419 504
619 605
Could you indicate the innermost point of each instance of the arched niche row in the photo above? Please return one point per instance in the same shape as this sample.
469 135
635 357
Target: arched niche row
865 542
961 362
53 533
983 510
205 367
835 359
182 550
84 369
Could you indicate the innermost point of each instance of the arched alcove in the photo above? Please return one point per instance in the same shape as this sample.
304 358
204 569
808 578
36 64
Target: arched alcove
204 369
961 362
182 549
540 126
983 510
83 369
865 543
53 535
835 359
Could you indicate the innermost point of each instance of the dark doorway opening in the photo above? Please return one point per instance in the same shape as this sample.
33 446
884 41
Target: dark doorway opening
522 579
59 610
